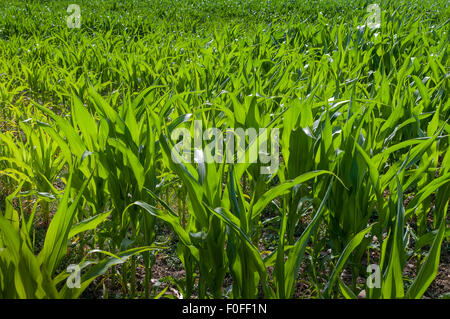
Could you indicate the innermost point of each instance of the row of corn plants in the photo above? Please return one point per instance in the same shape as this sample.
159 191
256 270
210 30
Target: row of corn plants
352 121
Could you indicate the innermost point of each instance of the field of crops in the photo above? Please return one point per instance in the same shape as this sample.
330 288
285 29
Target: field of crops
224 149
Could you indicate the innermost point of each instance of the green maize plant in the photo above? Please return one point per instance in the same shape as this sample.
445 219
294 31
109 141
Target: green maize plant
121 150
25 275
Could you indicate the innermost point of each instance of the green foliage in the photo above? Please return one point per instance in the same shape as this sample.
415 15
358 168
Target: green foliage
87 123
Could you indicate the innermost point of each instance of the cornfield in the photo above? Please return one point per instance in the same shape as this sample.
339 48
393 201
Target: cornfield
224 149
